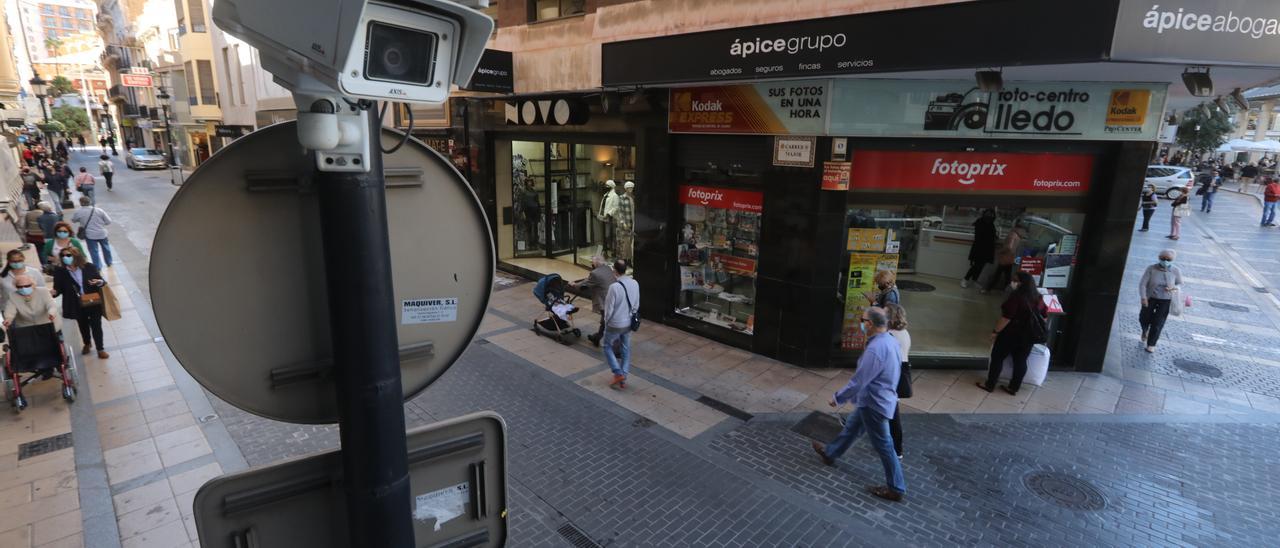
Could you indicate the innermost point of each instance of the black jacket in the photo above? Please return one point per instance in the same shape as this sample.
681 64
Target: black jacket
66 286
983 249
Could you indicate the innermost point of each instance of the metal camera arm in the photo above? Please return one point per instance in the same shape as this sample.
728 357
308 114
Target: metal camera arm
337 129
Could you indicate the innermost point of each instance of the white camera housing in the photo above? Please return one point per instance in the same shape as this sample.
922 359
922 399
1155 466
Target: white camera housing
389 50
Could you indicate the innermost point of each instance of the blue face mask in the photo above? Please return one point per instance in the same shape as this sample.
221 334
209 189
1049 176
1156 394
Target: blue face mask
64 234
862 326
68 260
1166 263
24 291
18 266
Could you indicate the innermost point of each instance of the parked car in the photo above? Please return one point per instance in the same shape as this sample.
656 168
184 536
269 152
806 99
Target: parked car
145 158
1171 181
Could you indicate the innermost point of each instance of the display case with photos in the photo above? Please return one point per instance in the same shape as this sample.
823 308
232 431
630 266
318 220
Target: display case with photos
718 252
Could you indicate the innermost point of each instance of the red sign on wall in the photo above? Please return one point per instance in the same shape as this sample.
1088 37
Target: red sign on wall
835 175
971 172
722 198
1032 265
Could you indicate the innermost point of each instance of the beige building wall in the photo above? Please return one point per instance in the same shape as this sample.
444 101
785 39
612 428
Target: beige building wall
564 54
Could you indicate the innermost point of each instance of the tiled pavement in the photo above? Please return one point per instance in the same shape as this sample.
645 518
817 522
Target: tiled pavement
1174 459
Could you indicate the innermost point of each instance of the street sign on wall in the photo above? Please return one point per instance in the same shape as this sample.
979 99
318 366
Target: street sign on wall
136 80
261 338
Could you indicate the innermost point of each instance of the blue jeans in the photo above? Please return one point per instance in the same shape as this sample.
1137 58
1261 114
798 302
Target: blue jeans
1207 203
623 338
1269 212
87 191
877 428
93 251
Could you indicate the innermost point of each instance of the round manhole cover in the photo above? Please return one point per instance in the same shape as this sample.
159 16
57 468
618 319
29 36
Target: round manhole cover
1065 491
1199 368
911 285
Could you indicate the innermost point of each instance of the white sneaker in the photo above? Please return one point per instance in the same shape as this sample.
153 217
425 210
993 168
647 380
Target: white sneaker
964 283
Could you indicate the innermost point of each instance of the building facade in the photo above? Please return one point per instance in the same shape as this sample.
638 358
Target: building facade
782 153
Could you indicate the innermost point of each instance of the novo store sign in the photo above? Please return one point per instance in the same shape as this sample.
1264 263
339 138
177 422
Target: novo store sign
1035 110
971 172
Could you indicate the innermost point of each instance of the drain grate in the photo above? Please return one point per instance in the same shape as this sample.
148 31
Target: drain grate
1065 491
45 445
1199 368
1261 290
642 423
819 426
725 408
482 341
576 537
912 285
1228 306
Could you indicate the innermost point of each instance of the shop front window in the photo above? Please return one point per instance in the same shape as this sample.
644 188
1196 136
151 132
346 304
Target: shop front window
717 252
953 265
563 211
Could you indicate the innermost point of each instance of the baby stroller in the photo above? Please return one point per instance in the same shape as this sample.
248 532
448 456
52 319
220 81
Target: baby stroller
37 350
557 318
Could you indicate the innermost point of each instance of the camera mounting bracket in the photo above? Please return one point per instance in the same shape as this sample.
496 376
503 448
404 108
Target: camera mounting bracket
337 130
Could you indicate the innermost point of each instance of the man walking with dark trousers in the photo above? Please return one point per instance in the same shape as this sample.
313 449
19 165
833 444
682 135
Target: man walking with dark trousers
597 284
874 393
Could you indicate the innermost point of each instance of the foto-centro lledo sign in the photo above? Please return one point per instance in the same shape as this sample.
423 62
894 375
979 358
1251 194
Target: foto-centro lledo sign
1095 111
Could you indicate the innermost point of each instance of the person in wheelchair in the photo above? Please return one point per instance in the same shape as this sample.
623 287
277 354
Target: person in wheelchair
29 305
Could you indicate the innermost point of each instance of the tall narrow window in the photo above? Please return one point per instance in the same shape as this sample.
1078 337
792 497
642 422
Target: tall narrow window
226 68
191 84
195 14
182 20
235 49
208 92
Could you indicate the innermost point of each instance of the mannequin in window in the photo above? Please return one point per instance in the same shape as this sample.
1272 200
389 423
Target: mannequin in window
624 222
608 209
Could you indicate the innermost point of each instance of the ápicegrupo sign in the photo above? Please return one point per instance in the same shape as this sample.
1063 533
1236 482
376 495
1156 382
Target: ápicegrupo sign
913 171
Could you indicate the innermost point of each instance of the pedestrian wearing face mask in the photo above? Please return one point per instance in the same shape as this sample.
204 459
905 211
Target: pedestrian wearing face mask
873 390
29 305
1013 333
59 240
886 292
15 266
1160 285
80 284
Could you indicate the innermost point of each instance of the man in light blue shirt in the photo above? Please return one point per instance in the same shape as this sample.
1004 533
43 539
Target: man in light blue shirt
874 393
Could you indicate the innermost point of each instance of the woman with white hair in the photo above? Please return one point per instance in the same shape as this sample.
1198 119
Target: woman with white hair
1161 283
29 305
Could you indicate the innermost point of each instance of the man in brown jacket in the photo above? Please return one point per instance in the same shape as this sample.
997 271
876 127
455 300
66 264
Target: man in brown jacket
597 283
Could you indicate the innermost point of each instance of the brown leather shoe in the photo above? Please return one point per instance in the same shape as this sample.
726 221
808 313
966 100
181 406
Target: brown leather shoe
86 350
102 354
821 450
885 493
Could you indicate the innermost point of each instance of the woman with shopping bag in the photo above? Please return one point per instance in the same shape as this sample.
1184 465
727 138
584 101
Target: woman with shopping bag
1021 325
1160 290
80 284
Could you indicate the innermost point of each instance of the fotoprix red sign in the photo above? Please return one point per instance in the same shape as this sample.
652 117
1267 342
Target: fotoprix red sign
722 198
971 172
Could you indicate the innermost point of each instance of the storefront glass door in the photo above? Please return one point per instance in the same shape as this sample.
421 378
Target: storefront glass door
559 197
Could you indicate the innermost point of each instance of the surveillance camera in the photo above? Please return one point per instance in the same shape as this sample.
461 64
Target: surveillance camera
402 50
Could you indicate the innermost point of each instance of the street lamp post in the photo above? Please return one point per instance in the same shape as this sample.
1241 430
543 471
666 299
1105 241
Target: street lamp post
39 87
164 98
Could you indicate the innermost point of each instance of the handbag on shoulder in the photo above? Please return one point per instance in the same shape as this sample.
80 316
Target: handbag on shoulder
904 381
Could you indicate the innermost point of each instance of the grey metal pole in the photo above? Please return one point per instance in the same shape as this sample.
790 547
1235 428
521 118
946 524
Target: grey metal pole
362 318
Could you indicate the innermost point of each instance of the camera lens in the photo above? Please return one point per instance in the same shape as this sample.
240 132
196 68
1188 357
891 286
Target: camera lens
397 54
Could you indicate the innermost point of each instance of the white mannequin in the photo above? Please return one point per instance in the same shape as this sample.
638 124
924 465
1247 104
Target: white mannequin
625 222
